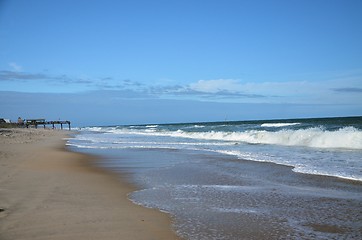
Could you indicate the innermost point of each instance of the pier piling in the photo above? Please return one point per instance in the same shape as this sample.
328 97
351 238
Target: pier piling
36 122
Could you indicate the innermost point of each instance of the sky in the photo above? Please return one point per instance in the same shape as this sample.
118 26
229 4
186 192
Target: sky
104 62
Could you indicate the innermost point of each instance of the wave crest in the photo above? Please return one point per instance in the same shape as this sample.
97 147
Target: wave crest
317 137
278 124
344 138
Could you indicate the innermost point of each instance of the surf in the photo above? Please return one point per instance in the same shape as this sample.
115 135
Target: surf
317 137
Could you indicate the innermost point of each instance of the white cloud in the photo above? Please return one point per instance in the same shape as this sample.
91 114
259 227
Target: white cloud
333 91
215 86
338 90
15 67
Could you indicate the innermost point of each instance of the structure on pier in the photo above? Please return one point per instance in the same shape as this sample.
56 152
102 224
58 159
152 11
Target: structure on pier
36 122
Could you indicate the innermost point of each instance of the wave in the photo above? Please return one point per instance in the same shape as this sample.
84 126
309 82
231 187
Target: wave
327 173
238 143
344 138
317 137
279 124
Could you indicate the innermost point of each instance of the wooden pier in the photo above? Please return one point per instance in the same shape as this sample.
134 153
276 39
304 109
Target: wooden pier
42 122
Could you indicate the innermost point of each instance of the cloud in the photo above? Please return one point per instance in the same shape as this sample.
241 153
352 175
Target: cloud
130 83
348 90
311 92
15 67
68 83
264 91
69 80
109 83
215 86
224 94
13 76
219 90
23 76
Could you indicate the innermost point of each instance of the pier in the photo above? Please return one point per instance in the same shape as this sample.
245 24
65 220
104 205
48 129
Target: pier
42 122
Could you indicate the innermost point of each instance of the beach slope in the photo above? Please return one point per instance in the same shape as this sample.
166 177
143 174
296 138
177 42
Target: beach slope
47 192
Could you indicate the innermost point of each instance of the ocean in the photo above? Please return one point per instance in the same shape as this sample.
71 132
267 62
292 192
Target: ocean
271 179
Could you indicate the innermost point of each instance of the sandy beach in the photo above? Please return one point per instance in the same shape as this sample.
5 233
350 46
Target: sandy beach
47 192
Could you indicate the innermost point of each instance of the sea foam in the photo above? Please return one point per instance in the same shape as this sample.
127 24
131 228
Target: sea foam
345 138
279 124
316 137
315 146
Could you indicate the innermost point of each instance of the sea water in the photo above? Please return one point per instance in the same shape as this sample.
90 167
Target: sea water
242 180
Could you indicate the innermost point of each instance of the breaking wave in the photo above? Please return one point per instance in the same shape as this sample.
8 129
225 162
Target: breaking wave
344 138
279 124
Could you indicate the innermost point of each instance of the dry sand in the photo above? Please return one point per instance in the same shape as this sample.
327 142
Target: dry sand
47 192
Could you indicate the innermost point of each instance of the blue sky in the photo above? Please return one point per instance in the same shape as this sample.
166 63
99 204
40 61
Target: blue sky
128 62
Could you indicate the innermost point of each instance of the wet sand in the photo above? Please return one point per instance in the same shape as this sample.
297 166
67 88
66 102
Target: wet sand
47 192
216 196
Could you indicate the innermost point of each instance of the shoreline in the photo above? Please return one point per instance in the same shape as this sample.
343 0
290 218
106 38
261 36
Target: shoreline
49 192
240 199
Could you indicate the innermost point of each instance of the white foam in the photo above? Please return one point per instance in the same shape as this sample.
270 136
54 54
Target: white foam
235 210
94 129
303 160
279 124
344 138
85 146
327 173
